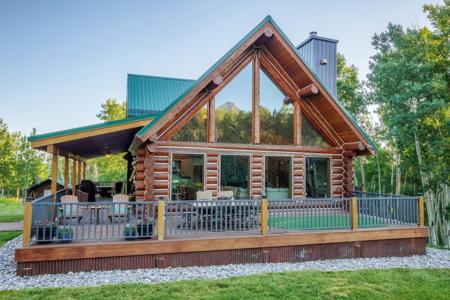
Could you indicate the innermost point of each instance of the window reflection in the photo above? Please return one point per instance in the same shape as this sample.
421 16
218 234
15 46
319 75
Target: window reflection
234 175
310 135
187 176
234 109
278 177
317 177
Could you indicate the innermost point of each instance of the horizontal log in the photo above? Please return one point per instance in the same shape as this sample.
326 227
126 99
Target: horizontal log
357 146
140 176
308 90
141 151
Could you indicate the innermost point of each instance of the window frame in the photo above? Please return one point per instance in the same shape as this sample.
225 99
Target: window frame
219 175
330 173
291 157
171 166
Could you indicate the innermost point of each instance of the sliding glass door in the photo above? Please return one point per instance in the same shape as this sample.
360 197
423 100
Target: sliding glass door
278 179
318 177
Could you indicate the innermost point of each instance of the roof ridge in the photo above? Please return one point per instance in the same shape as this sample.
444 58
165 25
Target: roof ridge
161 77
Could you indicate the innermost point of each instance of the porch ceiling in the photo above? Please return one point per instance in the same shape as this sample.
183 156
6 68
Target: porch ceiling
94 140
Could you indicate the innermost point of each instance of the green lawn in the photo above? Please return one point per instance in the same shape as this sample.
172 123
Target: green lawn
10 210
8 235
365 284
321 221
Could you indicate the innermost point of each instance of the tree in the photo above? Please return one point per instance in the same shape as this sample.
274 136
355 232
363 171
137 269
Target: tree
112 110
114 168
409 80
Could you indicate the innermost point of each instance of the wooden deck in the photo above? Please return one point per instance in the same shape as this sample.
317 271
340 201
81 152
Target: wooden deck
226 249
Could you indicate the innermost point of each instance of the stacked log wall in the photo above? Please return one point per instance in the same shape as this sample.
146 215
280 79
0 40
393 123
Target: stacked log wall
256 178
297 176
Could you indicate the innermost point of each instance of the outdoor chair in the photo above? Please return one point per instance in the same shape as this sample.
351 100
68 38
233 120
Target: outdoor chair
119 207
204 195
225 195
69 208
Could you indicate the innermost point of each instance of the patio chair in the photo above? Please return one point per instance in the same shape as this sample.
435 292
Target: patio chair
119 207
69 209
225 195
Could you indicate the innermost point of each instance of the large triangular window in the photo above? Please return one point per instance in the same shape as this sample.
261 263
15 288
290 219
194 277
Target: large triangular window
310 135
195 130
276 118
233 109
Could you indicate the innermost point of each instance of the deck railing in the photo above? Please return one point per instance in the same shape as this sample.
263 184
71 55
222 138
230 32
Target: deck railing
48 221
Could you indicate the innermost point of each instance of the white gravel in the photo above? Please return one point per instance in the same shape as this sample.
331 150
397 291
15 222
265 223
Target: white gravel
8 280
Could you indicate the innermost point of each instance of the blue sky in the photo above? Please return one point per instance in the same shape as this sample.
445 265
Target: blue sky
59 60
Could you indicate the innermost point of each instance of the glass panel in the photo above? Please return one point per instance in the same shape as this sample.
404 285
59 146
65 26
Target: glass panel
317 177
187 176
277 118
310 135
234 109
234 175
278 177
195 130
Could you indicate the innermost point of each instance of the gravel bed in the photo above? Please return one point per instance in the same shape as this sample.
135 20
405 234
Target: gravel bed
434 258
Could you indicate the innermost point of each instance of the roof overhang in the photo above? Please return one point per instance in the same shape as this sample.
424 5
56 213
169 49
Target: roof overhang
93 140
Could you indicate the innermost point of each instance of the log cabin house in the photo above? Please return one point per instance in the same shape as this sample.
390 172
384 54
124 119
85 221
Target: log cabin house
262 126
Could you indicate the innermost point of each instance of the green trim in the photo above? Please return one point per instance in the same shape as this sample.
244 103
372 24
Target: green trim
141 132
88 128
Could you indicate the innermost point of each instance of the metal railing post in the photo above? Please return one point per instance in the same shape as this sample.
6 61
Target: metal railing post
421 208
27 221
264 217
160 226
354 213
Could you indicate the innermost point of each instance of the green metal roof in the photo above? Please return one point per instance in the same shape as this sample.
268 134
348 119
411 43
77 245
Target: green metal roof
223 58
88 127
152 94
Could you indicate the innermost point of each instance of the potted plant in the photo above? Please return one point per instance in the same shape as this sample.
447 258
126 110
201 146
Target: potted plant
129 232
44 231
65 234
145 229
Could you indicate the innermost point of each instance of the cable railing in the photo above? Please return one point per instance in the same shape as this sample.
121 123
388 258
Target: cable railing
47 221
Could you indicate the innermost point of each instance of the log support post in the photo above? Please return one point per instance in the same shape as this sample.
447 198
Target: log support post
79 172
297 124
421 207
74 175
255 99
84 170
264 217
27 223
54 183
211 121
66 172
160 226
354 213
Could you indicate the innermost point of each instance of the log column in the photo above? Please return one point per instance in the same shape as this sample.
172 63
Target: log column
54 184
66 172
298 176
212 173
297 124
74 175
79 172
256 179
255 99
212 121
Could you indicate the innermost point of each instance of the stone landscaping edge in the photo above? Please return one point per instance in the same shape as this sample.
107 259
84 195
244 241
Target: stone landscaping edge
435 258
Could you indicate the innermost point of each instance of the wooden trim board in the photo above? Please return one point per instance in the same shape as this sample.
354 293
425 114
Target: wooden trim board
132 248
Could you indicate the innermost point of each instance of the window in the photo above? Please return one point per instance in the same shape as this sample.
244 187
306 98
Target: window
276 118
187 175
317 177
234 109
310 135
234 175
195 129
278 177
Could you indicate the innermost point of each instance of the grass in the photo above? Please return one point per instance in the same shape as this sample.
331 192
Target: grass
372 284
322 221
8 235
10 210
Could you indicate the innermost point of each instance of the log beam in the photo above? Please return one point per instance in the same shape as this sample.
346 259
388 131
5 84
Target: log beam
308 90
255 99
212 120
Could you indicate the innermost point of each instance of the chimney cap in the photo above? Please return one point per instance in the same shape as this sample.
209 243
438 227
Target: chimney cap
313 33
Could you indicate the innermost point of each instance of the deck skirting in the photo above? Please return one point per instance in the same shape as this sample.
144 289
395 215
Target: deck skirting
298 247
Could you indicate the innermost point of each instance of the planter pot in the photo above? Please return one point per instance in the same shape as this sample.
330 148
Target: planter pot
129 234
144 231
65 236
44 234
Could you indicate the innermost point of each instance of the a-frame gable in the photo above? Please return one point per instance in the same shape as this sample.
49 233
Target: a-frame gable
339 127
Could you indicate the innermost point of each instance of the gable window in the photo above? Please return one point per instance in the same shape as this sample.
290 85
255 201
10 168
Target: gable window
310 135
317 177
233 109
276 118
195 129
187 176
234 175
278 177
